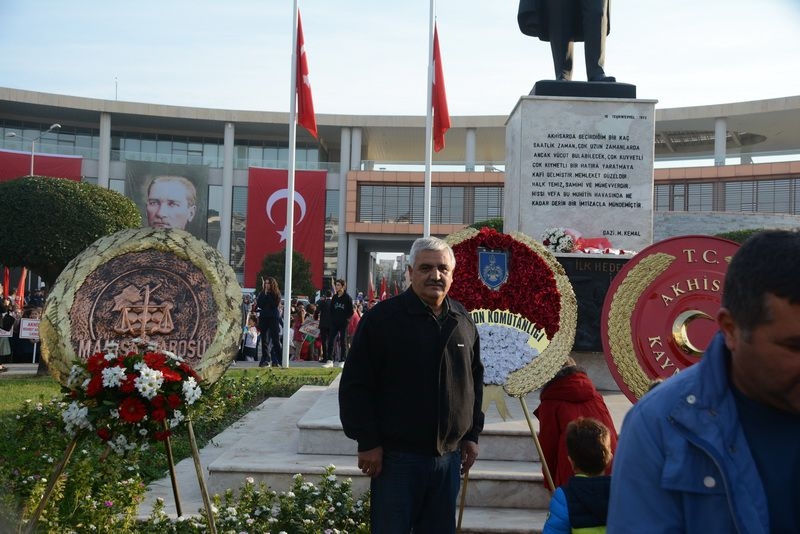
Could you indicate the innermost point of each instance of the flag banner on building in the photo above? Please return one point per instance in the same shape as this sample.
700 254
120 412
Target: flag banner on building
171 195
16 164
305 104
267 196
441 115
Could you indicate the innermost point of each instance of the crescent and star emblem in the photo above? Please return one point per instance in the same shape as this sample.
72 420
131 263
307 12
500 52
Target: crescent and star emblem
281 194
681 336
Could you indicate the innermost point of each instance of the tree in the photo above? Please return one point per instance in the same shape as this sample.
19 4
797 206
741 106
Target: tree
275 265
49 221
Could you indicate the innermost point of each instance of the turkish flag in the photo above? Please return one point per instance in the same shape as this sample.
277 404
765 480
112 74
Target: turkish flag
441 116
6 281
370 290
266 232
20 297
305 104
384 295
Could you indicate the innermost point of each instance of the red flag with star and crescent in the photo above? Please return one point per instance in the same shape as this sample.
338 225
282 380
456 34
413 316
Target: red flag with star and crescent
305 104
441 115
265 233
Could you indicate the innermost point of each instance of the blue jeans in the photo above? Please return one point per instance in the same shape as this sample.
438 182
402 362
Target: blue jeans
415 492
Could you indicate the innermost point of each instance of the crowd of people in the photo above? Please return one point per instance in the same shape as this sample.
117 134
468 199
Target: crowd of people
14 308
321 331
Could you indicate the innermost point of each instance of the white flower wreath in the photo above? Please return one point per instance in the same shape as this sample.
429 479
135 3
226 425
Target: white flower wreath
503 351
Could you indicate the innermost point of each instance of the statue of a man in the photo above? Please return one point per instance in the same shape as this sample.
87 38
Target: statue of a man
562 22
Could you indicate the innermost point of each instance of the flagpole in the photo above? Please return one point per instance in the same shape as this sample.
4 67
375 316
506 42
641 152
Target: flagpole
287 296
426 224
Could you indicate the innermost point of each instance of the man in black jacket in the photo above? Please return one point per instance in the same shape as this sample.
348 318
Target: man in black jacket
411 394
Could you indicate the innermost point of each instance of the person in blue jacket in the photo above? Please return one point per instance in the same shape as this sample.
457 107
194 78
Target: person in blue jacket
715 448
581 505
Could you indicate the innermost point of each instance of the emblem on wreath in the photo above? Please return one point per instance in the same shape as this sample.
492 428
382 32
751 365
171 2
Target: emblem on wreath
493 268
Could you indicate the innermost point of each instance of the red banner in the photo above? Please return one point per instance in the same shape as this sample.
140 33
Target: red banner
14 164
267 196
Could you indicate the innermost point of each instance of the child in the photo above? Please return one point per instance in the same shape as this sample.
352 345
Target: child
250 339
581 505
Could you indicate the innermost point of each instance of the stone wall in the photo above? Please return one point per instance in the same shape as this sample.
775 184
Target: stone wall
673 223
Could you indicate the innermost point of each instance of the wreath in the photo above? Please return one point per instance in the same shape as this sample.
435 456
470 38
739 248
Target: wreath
130 400
527 325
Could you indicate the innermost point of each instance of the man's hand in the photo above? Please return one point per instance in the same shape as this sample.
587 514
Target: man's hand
469 453
371 462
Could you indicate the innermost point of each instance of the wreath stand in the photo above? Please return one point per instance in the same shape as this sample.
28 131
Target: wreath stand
58 469
545 469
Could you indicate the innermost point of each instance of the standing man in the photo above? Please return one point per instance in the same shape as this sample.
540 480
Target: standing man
341 311
324 317
715 448
171 202
411 394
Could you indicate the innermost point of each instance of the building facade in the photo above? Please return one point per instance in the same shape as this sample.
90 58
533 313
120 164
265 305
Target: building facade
373 167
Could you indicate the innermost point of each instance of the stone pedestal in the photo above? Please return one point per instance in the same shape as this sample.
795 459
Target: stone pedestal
590 276
584 164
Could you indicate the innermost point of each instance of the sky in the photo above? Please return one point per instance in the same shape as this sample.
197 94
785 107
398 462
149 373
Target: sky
369 57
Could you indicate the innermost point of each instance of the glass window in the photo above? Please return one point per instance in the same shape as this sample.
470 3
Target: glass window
270 156
148 150
238 228
117 185
661 197
211 153
488 203
255 156
700 197
774 196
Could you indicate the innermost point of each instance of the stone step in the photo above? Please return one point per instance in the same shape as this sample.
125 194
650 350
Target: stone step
320 430
302 434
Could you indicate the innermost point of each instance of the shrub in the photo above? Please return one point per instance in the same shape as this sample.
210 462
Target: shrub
305 508
98 491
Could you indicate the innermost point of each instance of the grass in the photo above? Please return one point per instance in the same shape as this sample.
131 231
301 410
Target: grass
15 390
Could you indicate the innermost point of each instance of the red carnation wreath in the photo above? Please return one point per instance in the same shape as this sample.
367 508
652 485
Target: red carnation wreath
536 289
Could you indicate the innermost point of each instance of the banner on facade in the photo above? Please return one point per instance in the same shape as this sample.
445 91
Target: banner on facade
171 195
267 197
16 164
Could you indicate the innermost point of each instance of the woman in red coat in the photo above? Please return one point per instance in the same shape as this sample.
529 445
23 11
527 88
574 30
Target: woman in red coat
569 395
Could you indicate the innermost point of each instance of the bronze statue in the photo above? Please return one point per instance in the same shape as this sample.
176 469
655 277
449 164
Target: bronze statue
562 22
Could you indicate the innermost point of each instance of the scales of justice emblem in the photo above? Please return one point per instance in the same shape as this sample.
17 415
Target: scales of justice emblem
140 314
492 268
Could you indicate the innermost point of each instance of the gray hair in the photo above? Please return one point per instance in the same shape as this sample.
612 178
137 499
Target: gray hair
430 243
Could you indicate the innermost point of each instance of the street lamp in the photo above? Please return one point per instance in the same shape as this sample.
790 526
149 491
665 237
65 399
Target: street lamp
54 126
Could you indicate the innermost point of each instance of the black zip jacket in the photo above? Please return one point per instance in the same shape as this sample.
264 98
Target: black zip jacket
411 384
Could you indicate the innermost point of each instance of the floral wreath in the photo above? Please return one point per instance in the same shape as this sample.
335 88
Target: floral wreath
537 291
130 400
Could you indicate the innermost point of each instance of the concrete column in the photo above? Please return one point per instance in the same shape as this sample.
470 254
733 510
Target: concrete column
226 213
720 138
355 150
344 166
352 266
104 161
470 151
